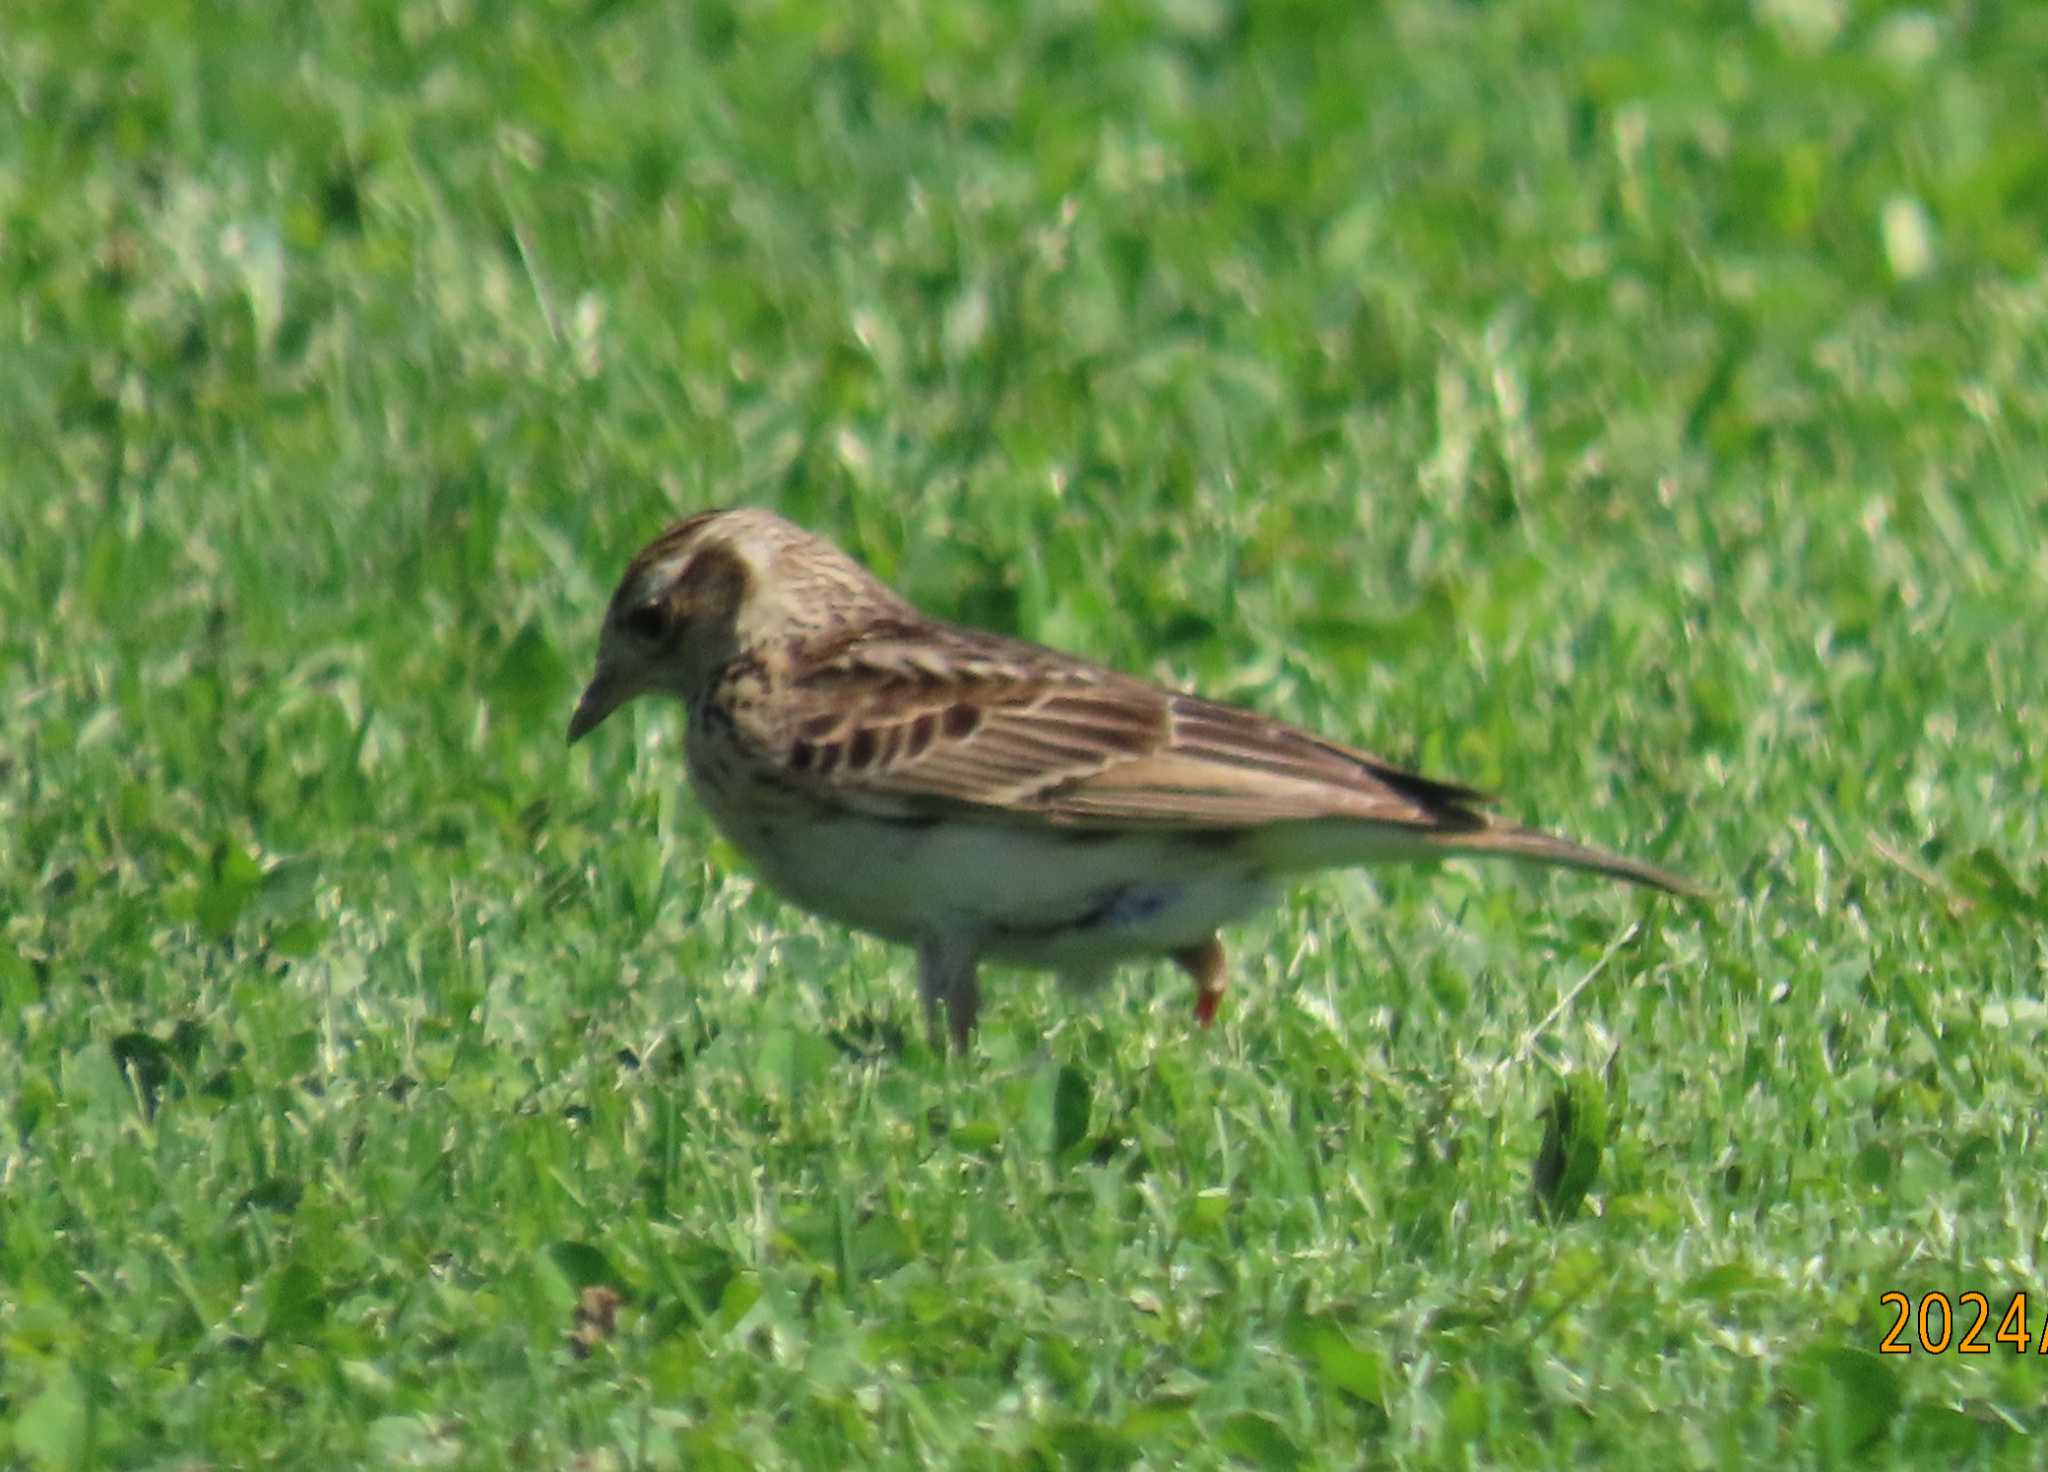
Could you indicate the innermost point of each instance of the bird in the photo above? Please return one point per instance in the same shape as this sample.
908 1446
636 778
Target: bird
982 798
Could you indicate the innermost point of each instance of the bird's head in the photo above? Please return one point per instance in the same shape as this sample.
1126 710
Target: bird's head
711 586
675 617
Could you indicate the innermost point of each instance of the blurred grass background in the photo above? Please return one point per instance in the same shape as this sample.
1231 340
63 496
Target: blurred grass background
1636 410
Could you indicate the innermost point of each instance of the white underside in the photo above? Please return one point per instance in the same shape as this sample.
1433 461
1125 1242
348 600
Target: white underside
1040 898
1021 896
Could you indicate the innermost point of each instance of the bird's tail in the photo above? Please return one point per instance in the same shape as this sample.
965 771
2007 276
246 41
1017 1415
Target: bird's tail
1507 840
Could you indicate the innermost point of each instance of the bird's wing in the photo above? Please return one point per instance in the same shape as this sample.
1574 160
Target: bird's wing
932 719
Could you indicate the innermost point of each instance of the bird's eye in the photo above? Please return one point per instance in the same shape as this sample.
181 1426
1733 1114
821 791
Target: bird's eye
649 621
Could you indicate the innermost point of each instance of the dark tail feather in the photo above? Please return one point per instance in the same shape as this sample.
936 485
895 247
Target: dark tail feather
1508 841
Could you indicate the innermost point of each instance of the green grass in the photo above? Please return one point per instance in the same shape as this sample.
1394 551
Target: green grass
1638 410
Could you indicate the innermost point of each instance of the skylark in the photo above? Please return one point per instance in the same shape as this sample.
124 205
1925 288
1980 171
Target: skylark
981 798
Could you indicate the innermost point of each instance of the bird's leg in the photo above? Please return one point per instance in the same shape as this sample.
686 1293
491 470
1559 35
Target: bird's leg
1205 965
945 975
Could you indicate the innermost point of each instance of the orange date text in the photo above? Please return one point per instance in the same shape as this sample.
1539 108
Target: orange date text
1970 1323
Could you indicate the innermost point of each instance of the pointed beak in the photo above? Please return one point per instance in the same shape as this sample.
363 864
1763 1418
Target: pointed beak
605 694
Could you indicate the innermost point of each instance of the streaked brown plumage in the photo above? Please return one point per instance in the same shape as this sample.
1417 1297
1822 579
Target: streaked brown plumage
981 797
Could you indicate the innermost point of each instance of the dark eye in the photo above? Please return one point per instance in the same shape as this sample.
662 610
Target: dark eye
649 621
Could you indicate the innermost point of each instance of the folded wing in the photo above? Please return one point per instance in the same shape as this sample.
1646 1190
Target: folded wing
934 719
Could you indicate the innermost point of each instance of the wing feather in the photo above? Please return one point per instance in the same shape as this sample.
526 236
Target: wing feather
938 719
